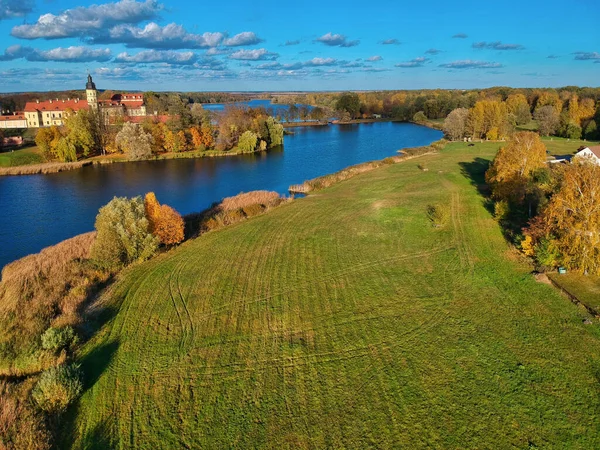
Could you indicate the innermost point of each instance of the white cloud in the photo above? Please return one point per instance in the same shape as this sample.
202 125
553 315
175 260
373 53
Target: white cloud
60 54
245 38
152 35
470 64
260 54
375 58
82 21
158 56
336 40
417 62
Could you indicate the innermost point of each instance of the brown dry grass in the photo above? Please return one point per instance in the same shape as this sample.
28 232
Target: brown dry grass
246 199
40 290
43 168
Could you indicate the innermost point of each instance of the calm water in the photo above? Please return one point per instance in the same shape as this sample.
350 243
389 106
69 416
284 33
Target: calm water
42 210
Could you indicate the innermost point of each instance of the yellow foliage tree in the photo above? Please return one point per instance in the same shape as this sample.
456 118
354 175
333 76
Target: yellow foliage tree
513 166
573 217
165 223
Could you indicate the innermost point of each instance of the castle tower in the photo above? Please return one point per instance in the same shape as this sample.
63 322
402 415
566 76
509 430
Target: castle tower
91 93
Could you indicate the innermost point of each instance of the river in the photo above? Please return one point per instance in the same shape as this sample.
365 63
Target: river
42 210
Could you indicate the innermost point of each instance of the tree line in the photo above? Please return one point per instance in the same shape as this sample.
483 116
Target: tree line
86 134
552 211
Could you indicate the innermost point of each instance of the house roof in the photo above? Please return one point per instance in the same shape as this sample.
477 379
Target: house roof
18 116
56 105
595 150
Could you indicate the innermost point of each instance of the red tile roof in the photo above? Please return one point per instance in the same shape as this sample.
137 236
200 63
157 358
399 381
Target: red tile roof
18 116
56 105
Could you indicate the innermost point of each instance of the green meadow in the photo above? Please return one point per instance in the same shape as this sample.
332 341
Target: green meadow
344 320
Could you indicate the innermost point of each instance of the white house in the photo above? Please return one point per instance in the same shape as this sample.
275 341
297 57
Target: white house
590 152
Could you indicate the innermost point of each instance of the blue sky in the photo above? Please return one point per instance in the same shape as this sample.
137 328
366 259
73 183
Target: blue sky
299 45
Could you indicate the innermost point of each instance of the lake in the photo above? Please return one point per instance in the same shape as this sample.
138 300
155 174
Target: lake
42 210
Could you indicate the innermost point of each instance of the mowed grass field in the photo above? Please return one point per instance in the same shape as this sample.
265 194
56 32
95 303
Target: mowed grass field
344 320
21 157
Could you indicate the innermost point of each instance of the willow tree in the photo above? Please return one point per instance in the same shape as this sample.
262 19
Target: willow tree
573 217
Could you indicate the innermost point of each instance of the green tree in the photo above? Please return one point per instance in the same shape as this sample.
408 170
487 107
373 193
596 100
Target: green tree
58 338
82 132
275 130
123 233
247 141
350 103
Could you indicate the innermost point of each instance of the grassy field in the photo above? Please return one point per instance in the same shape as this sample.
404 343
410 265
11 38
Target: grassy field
558 146
22 157
344 320
585 288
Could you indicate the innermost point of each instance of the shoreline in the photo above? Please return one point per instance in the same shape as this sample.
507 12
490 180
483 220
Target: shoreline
57 167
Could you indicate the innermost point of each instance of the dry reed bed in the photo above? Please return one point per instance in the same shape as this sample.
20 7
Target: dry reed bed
43 168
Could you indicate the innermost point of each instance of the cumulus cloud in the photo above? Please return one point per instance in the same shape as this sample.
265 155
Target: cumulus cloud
245 38
433 51
60 54
416 62
320 62
587 56
158 56
470 64
15 8
337 40
375 58
260 54
497 46
152 35
391 42
82 21
460 36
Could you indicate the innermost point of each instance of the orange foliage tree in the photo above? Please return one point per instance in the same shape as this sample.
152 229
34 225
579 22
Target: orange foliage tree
165 223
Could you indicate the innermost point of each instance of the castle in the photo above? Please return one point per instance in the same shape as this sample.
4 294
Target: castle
52 112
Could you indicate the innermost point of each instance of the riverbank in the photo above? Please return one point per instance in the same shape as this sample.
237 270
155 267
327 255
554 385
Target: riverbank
56 167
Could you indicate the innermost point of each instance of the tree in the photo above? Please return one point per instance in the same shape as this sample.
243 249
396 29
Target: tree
134 141
591 130
573 217
455 123
47 140
82 132
165 223
549 98
123 233
419 117
350 103
58 338
548 120
275 131
247 142
514 166
517 106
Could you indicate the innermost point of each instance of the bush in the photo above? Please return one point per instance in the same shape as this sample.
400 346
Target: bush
58 387
123 233
165 223
438 215
547 254
419 117
58 338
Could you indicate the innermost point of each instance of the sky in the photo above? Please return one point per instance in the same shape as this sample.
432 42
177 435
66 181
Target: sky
266 45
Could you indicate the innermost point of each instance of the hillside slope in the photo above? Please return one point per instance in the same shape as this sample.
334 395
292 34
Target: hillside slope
345 320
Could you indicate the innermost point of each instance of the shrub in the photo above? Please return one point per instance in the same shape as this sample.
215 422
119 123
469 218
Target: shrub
438 215
501 210
58 387
547 254
419 117
123 233
58 338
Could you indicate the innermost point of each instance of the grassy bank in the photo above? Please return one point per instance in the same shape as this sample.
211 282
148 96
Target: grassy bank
344 320
20 157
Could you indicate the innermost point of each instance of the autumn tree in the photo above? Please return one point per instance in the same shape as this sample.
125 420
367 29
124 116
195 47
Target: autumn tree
519 107
47 140
573 217
165 223
134 141
455 123
513 172
350 103
549 98
247 142
82 132
547 119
